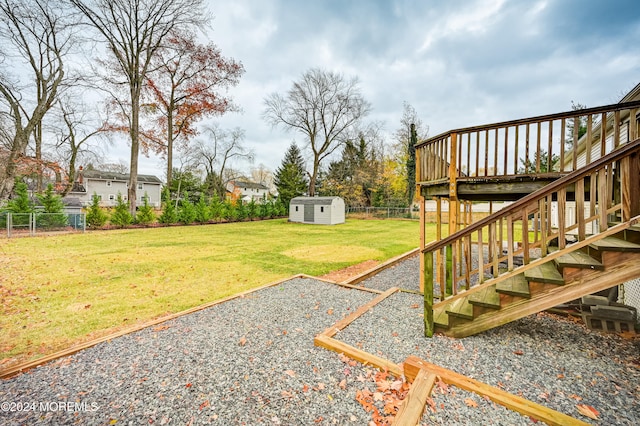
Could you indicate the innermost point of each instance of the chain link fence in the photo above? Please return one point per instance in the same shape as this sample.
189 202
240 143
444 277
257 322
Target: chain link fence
382 213
629 294
30 224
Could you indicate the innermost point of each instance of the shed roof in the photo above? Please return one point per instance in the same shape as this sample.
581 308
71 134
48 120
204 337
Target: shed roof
314 200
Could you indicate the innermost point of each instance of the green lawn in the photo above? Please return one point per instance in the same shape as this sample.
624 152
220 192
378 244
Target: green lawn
60 290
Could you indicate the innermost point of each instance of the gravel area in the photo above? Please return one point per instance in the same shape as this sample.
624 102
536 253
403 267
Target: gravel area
252 361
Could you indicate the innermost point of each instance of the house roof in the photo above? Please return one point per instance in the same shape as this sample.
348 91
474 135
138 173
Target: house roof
314 200
100 175
246 184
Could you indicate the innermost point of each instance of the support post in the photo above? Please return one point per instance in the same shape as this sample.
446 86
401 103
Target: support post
427 260
422 239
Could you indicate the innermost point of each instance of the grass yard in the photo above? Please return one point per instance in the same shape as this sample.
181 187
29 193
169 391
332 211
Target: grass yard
61 290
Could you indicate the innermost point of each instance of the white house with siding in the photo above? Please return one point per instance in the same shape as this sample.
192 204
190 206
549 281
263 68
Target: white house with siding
317 210
107 185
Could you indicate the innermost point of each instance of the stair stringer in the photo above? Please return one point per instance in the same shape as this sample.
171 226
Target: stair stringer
545 296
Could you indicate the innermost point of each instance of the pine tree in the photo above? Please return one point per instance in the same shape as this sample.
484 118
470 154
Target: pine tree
20 205
121 216
187 212
290 178
96 216
145 215
203 212
53 215
169 214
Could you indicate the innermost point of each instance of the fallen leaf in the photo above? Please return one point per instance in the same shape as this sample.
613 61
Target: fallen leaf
305 388
576 397
188 385
470 403
290 373
397 385
330 312
560 376
442 386
286 394
378 396
160 327
204 404
343 384
518 352
415 306
588 411
321 386
243 341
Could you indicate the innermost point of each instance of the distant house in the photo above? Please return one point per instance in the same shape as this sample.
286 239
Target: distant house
317 210
247 191
107 185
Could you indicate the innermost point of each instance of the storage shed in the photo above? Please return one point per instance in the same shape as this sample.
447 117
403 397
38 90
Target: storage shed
318 210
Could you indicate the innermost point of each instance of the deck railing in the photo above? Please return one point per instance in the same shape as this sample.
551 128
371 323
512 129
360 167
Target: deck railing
534 145
607 189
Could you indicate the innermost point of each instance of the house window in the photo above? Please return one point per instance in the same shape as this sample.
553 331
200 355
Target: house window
112 197
108 183
139 186
296 208
321 209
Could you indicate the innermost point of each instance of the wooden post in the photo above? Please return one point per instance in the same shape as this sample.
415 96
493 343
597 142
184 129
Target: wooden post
630 186
422 238
427 285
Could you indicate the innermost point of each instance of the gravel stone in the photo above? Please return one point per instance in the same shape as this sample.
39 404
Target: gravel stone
252 361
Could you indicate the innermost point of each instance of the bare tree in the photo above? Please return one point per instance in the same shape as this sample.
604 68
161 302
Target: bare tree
262 175
134 30
74 135
37 34
411 130
216 153
323 106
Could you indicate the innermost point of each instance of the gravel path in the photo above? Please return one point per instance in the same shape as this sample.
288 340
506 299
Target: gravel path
252 361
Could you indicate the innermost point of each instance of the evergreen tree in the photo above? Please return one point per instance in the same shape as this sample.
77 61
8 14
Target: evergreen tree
290 178
121 216
216 208
187 211
169 213
96 216
252 209
53 215
145 215
20 205
203 211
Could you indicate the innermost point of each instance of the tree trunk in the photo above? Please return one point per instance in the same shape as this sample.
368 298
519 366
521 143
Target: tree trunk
170 144
135 149
314 177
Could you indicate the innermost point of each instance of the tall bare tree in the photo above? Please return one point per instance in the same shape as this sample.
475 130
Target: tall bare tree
215 154
411 130
35 34
323 106
134 30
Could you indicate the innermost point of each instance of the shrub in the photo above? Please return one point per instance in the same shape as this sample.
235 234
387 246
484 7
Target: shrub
20 205
252 209
121 216
217 209
96 216
145 214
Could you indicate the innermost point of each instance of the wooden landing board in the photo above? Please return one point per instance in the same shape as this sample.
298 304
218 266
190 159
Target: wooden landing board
440 317
615 244
514 286
359 355
412 407
461 308
344 322
413 365
487 298
545 273
578 259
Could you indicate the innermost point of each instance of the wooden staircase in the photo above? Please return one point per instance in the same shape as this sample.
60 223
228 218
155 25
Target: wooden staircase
533 254
606 263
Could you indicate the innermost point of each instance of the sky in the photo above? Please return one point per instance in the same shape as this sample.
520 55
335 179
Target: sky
459 63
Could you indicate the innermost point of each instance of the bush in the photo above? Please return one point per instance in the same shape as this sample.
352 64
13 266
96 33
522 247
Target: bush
20 205
252 209
229 211
217 209
121 216
145 214
96 216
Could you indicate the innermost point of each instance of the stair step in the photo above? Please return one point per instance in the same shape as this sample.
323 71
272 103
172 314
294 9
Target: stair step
461 308
635 228
440 318
487 298
615 244
545 273
578 259
514 286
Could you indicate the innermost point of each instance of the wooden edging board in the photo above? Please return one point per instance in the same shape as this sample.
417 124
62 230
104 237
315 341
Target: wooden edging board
412 407
413 365
19 368
344 322
373 271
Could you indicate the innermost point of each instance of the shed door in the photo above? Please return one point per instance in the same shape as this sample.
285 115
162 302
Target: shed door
308 212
